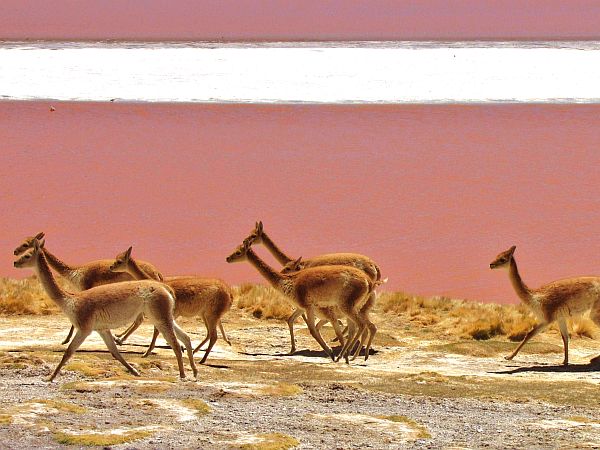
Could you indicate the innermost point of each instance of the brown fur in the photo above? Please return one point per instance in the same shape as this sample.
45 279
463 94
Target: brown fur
342 287
209 298
356 260
109 306
554 301
86 276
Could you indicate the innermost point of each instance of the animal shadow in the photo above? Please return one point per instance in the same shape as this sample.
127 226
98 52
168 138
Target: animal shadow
571 368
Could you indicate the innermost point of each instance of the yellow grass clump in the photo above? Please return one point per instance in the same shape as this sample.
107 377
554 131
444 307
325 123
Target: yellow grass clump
480 321
198 405
99 439
26 296
272 441
263 302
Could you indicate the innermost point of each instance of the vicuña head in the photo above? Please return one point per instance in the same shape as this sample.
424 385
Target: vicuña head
255 236
503 260
28 243
293 266
121 261
26 259
240 253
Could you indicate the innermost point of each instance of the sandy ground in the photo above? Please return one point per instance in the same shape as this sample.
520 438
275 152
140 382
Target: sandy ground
415 391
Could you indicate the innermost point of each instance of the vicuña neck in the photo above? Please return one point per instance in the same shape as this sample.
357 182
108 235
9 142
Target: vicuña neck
54 291
275 251
136 271
521 289
270 275
61 267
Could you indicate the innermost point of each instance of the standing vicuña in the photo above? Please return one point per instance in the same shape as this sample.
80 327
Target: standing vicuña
553 301
208 298
103 308
290 265
86 276
342 287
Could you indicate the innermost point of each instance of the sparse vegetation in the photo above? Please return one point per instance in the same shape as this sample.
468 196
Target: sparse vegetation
263 302
198 405
272 441
61 406
281 390
85 369
422 432
437 314
80 386
99 439
24 296
5 419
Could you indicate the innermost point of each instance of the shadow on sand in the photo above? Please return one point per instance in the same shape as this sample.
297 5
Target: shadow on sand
308 353
571 368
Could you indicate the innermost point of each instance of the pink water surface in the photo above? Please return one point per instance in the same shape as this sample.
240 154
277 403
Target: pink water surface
300 19
432 193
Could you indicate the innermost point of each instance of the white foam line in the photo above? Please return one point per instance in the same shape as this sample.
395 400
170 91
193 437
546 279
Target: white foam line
388 73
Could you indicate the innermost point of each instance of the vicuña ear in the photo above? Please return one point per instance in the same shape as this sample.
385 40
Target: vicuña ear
259 226
37 245
128 252
512 249
297 262
40 235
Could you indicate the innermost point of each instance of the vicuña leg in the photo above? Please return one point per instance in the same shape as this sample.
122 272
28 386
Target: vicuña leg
152 343
310 316
212 333
207 334
134 326
297 313
595 316
80 336
68 338
167 330
564 332
536 329
183 337
223 332
112 348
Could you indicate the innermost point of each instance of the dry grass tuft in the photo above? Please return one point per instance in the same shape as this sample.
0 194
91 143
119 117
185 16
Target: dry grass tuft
421 431
198 405
99 439
272 441
85 369
27 296
479 321
583 327
437 315
5 419
282 390
61 406
80 386
263 302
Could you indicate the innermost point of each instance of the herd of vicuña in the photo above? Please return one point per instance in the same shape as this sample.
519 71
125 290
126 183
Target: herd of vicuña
112 293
